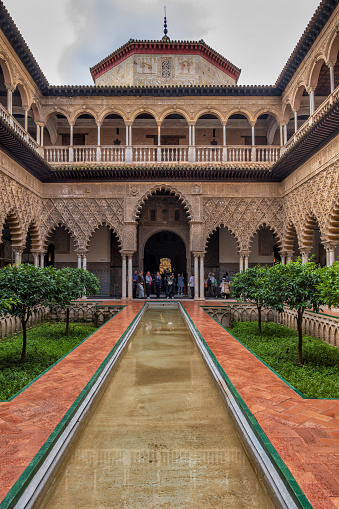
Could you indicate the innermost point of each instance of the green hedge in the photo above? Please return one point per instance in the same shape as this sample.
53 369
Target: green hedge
277 346
46 344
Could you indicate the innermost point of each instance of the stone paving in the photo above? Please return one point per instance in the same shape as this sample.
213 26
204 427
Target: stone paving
304 432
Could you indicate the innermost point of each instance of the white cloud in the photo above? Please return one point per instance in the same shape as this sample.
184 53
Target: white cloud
69 36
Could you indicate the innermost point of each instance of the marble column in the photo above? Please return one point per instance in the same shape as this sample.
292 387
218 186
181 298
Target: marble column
295 121
305 256
36 259
84 262
79 261
42 260
202 277
196 277
241 262
129 277
332 85
123 277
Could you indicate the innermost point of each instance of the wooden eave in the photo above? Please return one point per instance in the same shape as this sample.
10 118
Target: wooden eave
313 140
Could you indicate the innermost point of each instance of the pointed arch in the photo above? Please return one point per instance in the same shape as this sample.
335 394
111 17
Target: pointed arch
288 242
34 231
266 224
333 225
97 226
50 230
308 231
166 187
226 227
15 228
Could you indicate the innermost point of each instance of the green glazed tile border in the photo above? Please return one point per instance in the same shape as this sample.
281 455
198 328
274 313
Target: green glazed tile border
285 474
57 362
12 497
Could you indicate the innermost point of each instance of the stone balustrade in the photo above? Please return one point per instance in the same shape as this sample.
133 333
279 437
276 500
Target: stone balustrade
320 325
166 154
80 311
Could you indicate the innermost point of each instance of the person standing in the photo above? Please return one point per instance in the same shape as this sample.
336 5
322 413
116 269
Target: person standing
181 284
148 284
135 283
157 285
191 285
171 286
141 284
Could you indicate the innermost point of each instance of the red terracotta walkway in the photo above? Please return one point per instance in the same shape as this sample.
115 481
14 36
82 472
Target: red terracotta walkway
28 420
304 432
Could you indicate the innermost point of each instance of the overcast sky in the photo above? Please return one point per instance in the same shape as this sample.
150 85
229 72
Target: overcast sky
67 37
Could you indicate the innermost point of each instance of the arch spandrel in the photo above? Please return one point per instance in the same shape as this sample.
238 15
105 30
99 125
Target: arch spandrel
7 70
243 216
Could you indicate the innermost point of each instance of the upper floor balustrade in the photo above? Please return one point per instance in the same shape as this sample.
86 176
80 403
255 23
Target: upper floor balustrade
155 153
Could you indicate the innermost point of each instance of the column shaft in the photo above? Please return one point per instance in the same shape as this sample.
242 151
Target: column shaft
196 278
332 78
79 261
123 276
202 278
295 121
130 288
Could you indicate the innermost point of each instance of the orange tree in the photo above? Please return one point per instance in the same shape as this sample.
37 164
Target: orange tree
26 287
329 286
73 284
251 285
295 285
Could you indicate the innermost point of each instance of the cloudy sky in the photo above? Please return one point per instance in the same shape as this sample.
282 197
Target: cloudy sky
68 36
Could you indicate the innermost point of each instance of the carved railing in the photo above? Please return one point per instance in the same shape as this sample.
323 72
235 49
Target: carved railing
80 311
314 118
320 325
18 128
167 154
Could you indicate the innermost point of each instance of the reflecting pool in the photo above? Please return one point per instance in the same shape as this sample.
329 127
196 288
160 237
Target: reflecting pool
160 436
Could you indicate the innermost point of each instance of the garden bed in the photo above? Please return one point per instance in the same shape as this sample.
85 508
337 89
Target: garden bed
46 344
277 346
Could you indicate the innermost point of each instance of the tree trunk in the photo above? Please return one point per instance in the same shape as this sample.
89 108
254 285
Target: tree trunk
259 319
300 335
67 322
24 338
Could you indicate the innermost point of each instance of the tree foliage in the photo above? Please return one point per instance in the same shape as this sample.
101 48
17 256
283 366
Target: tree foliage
251 285
73 284
28 287
329 286
295 285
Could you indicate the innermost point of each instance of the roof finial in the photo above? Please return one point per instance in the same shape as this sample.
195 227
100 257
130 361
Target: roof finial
165 38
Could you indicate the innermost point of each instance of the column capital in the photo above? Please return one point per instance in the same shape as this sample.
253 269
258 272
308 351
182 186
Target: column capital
309 90
127 253
244 253
10 87
252 123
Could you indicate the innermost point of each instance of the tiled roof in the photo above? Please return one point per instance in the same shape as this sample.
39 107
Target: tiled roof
168 46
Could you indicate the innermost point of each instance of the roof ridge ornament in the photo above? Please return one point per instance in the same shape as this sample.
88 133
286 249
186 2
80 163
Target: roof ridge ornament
165 37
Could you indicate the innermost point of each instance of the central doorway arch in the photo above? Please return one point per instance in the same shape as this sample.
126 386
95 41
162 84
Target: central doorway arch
165 244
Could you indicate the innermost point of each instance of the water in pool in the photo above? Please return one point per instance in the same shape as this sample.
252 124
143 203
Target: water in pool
160 436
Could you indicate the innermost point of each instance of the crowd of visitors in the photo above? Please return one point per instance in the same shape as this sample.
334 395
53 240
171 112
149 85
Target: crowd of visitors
171 285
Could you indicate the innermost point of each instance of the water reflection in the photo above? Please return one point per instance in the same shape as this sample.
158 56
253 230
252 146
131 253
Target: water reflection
160 437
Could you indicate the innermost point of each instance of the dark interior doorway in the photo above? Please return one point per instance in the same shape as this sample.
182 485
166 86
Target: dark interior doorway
165 244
